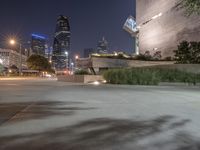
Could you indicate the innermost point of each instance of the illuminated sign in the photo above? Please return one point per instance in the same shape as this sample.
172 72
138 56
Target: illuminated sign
130 26
38 36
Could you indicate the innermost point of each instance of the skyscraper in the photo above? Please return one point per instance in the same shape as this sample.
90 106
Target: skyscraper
38 44
88 51
61 45
102 47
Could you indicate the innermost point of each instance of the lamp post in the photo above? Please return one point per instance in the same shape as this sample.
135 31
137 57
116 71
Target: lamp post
67 56
13 42
76 60
72 64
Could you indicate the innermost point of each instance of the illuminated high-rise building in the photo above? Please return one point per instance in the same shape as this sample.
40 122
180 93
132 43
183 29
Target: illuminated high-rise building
88 51
61 45
38 43
102 47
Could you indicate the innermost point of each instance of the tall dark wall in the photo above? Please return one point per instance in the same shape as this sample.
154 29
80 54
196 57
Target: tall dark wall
164 33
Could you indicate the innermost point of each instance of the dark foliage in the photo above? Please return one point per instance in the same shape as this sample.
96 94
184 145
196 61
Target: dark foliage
188 53
37 62
149 76
81 72
190 6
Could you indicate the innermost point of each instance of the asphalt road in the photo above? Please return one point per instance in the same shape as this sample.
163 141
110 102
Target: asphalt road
51 115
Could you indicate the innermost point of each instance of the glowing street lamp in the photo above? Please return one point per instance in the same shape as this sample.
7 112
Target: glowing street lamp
76 57
156 16
14 42
67 56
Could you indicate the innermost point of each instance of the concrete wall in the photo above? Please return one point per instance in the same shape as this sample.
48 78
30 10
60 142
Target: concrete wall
166 32
80 78
122 63
73 78
117 63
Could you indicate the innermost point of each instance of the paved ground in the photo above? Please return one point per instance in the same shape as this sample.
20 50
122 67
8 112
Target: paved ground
50 115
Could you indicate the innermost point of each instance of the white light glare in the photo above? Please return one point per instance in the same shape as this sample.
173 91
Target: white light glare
76 57
156 16
66 53
104 81
12 42
96 83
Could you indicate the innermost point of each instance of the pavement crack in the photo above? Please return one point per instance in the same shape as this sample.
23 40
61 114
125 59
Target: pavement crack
17 113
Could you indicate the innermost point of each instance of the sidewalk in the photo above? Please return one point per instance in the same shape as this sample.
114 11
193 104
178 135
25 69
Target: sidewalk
25 78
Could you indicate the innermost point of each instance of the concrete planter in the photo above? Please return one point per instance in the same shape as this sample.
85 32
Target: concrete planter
80 78
177 84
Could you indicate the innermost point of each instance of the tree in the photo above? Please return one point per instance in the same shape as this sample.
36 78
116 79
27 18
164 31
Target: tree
190 6
188 53
37 62
157 55
1 68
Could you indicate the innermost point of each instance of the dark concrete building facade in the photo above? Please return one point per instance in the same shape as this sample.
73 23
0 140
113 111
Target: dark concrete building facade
61 45
166 32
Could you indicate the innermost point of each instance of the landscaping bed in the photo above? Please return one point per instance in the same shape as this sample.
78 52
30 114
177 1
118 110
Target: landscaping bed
149 76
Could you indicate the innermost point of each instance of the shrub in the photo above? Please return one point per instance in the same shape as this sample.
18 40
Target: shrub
144 57
148 57
81 72
132 76
188 53
168 58
157 55
149 76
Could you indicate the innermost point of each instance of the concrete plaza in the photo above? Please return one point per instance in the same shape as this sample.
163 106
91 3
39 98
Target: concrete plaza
51 115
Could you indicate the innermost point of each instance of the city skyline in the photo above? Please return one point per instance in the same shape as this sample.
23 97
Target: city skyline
92 20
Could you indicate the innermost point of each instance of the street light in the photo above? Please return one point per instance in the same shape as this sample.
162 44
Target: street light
67 55
76 61
72 65
76 57
156 16
13 42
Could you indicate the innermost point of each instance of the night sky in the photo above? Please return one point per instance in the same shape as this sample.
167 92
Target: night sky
90 20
